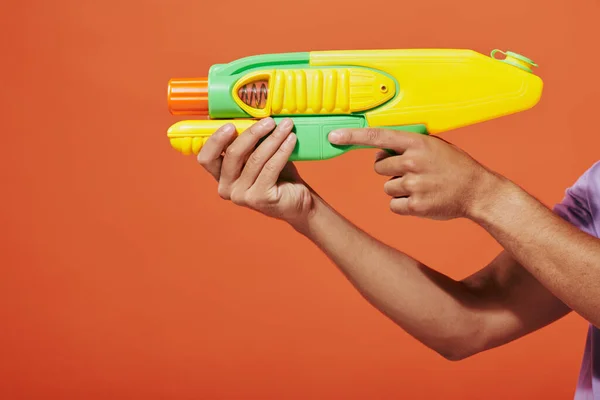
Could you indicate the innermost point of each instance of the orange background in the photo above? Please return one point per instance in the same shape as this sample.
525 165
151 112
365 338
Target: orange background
125 276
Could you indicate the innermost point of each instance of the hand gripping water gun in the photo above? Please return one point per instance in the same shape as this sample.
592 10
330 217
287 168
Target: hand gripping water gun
427 91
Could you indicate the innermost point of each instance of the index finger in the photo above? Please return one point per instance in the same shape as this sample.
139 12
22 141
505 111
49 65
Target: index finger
396 140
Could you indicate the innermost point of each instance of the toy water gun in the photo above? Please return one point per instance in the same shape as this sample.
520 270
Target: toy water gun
427 91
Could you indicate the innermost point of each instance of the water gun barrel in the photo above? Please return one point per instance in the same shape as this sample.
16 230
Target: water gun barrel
188 96
428 91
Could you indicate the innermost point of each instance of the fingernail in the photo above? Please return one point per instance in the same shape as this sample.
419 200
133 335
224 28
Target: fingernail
335 136
286 123
288 140
267 122
228 128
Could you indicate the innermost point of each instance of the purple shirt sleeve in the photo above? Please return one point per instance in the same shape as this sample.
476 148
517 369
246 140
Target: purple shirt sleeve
580 205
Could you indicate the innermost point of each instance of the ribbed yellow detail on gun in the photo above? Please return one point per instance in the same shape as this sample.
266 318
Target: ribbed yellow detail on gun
317 91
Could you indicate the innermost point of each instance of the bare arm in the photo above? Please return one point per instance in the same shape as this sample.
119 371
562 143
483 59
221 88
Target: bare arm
433 179
456 318
565 259
498 304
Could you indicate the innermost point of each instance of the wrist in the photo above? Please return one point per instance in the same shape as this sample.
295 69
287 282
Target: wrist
494 195
306 222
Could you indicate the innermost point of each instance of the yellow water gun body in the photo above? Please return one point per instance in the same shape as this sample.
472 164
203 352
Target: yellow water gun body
428 91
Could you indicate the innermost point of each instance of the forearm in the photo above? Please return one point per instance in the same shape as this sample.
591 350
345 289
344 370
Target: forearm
563 258
429 306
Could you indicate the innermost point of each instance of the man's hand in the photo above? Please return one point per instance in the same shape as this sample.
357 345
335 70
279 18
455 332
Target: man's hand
258 177
430 177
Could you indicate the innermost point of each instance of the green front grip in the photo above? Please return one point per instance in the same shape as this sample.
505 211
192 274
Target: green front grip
312 133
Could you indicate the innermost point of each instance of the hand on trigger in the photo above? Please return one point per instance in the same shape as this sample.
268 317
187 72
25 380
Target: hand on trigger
429 177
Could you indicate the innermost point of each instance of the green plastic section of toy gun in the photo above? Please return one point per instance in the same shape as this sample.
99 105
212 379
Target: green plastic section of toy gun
313 143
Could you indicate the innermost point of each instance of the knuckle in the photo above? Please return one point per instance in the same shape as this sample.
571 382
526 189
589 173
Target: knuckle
254 200
202 159
270 166
231 151
409 164
254 130
283 150
224 192
237 198
372 134
255 159
418 141
416 205
411 184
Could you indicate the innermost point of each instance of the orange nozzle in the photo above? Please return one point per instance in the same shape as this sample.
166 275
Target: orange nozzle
188 96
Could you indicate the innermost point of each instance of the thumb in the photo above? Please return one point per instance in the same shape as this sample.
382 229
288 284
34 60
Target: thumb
382 155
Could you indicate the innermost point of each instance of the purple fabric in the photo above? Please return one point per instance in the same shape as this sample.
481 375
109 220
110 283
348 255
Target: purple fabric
581 207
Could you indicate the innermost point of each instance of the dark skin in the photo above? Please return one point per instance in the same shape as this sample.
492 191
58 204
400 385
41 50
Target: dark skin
547 269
